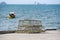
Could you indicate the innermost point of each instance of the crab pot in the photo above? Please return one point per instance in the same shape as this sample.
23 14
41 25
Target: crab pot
29 26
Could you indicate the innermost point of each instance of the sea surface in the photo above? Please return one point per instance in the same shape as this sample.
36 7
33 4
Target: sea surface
49 15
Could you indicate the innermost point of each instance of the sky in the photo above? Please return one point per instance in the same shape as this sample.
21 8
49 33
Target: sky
31 1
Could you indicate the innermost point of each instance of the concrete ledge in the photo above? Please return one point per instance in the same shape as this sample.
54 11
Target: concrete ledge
4 32
51 29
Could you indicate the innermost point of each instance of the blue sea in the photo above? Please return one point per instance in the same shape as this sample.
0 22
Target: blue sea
49 15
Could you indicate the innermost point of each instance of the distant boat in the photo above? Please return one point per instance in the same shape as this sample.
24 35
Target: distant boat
36 3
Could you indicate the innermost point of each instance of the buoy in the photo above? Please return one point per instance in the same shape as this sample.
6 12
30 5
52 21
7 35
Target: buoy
12 15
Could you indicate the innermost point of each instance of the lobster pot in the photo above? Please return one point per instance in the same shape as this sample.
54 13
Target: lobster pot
29 26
